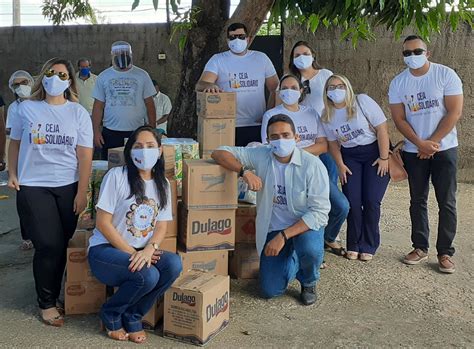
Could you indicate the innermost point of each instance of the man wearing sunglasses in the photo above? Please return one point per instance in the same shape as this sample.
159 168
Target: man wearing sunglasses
426 102
247 73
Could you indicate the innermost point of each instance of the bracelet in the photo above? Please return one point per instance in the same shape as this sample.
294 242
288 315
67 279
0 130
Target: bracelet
284 236
384 159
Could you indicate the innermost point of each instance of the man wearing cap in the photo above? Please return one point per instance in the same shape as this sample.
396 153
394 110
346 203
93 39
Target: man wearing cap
123 97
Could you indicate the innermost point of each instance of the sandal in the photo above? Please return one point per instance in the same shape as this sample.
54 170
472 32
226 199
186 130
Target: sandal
57 321
352 255
137 337
365 257
338 251
60 308
119 335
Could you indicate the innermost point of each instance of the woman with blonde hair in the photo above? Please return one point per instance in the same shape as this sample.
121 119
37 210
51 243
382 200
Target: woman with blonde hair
356 129
50 159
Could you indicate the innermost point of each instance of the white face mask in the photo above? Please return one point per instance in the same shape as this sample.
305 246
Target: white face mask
337 95
303 61
414 61
23 91
283 147
289 96
54 86
237 45
145 159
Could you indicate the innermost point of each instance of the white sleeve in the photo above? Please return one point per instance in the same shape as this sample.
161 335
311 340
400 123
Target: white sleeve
166 214
453 84
12 114
212 65
149 89
321 131
329 134
393 95
98 92
372 110
269 68
16 123
109 189
263 130
85 135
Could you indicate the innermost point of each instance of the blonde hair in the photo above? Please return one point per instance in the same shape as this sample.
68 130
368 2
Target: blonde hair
328 111
39 94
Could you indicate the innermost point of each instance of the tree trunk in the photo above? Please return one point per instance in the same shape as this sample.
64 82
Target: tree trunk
206 38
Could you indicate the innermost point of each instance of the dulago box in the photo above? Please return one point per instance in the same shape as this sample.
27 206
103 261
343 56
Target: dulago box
169 244
155 314
216 105
207 185
204 230
196 307
83 297
212 133
245 223
77 265
215 262
244 261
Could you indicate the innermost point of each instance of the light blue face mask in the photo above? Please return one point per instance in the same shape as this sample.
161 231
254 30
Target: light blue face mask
283 147
289 96
145 159
237 45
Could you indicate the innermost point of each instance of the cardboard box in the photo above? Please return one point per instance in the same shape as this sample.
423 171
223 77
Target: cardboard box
155 314
77 265
245 223
172 226
83 297
203 230
169 244
196 307
169 155
244 261
212 133
215 262
116 157
207 185
216 105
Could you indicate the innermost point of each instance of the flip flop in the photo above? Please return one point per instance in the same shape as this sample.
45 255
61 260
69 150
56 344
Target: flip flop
338 251
137 337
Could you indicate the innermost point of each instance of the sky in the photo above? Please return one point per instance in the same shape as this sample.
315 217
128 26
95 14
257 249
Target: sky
109 11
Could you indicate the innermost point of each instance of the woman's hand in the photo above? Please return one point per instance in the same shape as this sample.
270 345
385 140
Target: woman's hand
13 183
80 203
343 172
141 258
382 170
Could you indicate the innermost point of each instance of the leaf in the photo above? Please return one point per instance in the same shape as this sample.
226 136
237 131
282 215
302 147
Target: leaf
182 42
155 4
135 4
348 4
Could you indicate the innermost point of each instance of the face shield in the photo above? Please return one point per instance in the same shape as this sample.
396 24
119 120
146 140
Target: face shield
121 55
20 83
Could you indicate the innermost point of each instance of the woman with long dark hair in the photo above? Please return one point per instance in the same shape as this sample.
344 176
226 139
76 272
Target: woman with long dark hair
50 159
132 212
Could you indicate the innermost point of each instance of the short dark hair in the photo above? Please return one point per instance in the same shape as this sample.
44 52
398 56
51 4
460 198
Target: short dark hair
281 118
235 26
83 59
413 37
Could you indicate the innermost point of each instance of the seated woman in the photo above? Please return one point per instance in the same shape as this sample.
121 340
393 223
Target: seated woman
134 205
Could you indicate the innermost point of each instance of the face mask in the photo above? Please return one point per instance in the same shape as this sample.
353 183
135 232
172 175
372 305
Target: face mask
23 91
337 95
415 62
237 45
145 159
54 86
84 71
123 61
289 96
303 61
283 147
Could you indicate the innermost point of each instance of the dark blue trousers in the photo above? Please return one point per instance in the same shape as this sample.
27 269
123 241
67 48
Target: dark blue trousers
364 190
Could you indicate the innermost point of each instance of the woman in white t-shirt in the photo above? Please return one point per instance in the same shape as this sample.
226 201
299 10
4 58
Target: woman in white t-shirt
356 129
50 159
124 251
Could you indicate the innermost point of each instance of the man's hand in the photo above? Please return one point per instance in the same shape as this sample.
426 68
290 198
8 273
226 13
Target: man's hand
253 181
275 245
80 203
98 139
13 183
424 156
428 147
213 89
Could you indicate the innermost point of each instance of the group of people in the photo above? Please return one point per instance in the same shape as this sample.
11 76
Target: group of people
314 131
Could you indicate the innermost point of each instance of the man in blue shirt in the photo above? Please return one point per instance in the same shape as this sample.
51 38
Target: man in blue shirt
292 207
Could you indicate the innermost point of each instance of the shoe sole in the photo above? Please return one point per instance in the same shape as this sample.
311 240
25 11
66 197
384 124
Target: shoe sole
446 271
410 262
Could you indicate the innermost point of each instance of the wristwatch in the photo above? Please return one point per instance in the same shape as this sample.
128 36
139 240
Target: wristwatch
155 245
242 170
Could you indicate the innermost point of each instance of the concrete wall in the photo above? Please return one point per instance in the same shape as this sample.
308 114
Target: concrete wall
372 65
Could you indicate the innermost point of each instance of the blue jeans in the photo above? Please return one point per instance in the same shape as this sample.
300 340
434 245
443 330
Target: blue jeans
300 258
137 291
339 203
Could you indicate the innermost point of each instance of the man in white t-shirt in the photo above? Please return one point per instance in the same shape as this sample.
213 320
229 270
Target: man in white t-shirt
163 109
123 97
426 101
247 73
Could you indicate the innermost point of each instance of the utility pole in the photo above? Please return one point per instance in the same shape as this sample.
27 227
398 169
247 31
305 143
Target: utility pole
16 12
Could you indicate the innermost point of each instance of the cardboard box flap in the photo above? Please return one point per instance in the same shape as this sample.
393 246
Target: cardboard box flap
198 281
80 239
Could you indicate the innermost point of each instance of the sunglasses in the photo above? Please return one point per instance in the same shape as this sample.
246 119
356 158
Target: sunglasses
237 36
339 87
17 84
306 87
61 75
416 52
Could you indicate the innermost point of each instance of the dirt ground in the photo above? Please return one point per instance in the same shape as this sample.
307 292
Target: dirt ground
383 303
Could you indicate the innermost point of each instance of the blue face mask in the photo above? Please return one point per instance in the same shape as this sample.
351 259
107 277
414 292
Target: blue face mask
283 147
145 159
84 71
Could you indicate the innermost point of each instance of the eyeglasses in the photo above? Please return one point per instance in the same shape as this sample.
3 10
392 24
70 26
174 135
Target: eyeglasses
237 36
416 52
306 87
339 87
61 75
17 84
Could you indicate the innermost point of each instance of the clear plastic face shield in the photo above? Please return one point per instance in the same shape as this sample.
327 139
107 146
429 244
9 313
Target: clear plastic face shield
121 55
20 83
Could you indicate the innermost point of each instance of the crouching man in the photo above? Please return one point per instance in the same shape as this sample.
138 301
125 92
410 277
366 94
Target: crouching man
292 207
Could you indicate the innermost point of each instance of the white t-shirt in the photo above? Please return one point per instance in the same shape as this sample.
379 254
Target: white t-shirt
282 218
49 136
356 131
306 120
246 76
12 113
134 220
316 84
163 107
423 98
124 94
